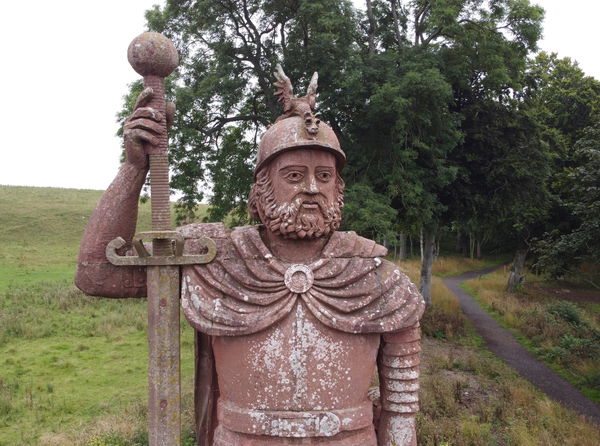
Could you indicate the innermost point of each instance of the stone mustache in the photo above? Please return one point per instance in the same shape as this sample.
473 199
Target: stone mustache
292 315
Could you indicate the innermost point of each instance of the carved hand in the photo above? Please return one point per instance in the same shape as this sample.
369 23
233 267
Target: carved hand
143 128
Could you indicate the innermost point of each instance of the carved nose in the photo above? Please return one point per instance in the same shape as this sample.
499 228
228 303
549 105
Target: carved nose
311 187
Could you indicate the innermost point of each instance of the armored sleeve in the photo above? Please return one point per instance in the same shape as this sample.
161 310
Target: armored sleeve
398 364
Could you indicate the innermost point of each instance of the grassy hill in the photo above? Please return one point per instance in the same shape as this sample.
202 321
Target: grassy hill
64 358
40 230
73 368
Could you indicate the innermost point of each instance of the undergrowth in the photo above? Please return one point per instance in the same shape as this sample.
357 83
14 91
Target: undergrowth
470 398
564 334
444 319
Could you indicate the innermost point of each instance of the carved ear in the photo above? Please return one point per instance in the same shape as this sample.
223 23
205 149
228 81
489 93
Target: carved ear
284 91
311 91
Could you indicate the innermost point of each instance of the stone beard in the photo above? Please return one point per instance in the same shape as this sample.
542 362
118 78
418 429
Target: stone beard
290 220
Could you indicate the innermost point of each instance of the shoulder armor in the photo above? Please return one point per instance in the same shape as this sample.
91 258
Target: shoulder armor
350 244
197 230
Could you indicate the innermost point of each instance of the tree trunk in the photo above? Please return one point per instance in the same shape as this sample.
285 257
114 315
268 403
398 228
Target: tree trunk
458 241
371 30
428 239
478 248
421 244
412 251
471 245
516 276
396 21
402 253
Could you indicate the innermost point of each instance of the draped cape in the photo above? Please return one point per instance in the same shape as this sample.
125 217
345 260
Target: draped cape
246 289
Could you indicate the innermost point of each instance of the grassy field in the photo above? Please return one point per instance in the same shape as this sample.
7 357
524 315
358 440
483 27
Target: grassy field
564 333
73 368
40 230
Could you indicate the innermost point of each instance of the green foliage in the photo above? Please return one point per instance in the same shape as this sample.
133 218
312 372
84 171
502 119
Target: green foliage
397 98
224 96
232 160
563 250
369 213
404 134
567 311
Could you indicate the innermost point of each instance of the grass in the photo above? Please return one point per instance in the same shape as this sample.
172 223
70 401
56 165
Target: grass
564 334
470 398
443 319
68 359
69 364
40 231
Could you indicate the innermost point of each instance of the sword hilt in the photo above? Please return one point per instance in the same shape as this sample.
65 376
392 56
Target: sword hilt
154 57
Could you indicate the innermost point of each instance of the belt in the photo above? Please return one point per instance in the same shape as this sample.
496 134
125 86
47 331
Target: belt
278 423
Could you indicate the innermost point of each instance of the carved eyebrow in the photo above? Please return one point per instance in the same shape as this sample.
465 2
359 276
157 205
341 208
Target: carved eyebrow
286 168
325 168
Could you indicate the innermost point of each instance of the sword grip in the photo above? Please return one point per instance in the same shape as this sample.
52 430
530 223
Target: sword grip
154 56
159 169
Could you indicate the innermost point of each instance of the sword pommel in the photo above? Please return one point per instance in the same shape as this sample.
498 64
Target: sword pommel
152 53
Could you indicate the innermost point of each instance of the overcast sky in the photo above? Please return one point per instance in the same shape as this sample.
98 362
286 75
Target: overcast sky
65 71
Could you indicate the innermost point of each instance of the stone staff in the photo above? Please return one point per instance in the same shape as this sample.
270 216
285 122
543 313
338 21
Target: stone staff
154 57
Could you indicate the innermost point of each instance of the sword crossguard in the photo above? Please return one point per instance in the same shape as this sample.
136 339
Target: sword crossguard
144 258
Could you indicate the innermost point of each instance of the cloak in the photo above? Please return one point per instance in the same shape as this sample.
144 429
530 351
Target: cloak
246 289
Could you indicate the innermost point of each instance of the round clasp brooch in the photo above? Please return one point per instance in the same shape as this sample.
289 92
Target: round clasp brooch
298 278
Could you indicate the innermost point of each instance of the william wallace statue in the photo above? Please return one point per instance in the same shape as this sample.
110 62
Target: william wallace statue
293 317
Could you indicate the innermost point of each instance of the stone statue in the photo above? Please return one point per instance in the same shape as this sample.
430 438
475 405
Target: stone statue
292 315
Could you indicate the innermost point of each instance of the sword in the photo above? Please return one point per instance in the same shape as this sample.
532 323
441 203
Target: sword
154 57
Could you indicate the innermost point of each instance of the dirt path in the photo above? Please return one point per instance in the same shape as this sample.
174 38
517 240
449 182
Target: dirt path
503 344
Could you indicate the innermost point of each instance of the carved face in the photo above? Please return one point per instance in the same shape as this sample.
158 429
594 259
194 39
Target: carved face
299 194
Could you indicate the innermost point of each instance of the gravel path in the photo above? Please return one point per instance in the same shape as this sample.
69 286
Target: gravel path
503 344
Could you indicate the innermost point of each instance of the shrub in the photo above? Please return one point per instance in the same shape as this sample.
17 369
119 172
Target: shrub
580 347
441 324
567 311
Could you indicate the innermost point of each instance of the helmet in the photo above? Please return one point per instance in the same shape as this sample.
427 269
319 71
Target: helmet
296 132
297 127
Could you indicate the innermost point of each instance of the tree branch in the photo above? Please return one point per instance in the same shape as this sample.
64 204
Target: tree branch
221 121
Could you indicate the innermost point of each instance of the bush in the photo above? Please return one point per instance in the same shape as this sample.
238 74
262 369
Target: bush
580 347
441 324
567 311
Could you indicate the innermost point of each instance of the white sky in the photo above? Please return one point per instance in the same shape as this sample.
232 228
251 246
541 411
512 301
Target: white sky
65 71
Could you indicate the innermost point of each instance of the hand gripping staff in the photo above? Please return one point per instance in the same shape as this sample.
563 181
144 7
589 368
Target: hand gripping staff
154 57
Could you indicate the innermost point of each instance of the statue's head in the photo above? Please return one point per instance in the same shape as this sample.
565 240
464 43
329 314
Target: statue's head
298 191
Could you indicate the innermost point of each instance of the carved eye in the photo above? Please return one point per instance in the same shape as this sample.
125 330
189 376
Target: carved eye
308 121
318 121
294 176
324 176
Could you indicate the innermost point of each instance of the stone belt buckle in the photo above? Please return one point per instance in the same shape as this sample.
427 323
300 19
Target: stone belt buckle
144 258
325 424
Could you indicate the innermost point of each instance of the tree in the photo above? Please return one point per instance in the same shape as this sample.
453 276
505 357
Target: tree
223 89
368 212
559 253
568 103
402 86
478 52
